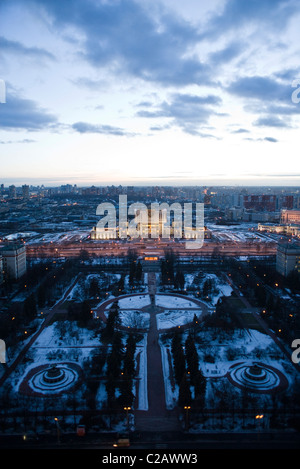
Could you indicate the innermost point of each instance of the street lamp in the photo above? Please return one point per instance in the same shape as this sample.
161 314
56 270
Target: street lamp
127 408
187 408
259 418
58 429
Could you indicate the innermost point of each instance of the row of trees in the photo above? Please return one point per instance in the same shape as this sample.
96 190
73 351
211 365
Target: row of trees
135 273
188 376
120 371
120 363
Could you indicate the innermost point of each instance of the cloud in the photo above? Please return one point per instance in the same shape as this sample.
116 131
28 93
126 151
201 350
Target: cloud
24 140
265 139
271 121
261 88
228 53
15 47
90 83
87 128
236 14
268 98
186 111
128 38
240 131
25 114
271 139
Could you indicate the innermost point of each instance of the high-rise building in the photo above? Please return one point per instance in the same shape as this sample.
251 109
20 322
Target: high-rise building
288 258
25 191
14 260
12 192
260 202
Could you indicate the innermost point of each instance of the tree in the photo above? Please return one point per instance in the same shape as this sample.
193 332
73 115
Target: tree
178 358
132 270
29 308
185 396
126 395
41 296
195 324
129 362
112 321
139 272
114 360
199 386
179 280
121 284
167 268
85 312
191 356
94 288
110 390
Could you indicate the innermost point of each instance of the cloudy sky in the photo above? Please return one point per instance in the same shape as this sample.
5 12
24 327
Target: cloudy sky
150 92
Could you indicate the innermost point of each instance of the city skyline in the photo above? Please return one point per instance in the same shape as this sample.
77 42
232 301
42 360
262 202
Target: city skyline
133 93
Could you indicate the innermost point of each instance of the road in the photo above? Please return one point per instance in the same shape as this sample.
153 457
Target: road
163 442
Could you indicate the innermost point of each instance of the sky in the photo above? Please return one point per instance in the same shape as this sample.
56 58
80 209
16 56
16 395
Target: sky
159 92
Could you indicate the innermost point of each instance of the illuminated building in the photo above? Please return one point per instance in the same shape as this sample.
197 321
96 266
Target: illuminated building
290 217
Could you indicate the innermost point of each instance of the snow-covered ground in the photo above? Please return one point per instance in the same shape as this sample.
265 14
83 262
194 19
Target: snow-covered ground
64 341
169 301
218 286
217 354
132 302
171 318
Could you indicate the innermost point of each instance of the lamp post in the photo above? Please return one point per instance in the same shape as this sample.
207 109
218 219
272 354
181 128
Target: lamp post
58 429
259 418
127 408
187 408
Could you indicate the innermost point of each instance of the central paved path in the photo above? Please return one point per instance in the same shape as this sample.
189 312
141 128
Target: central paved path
157 418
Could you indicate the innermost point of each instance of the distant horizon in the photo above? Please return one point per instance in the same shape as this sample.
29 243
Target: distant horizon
50 182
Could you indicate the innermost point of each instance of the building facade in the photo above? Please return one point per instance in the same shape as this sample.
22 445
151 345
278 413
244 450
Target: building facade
290 217
288 258
14 260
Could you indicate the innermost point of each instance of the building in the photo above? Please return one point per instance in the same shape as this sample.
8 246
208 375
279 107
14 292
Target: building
260 202
290 217
25 191
12 192
288 258
14 260
1 269
288 230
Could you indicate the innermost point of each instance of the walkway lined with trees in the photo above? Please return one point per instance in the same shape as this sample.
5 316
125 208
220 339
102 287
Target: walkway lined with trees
157 417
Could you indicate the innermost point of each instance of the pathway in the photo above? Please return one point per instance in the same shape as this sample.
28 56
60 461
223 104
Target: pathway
157 417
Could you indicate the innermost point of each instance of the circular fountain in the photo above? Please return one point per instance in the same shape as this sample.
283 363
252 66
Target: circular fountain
256 377
255 373
48 380
53 375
